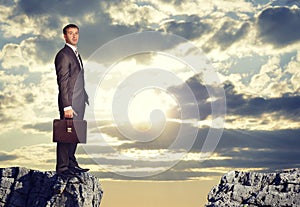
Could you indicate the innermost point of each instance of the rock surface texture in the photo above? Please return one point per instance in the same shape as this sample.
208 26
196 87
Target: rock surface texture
257 189
21 187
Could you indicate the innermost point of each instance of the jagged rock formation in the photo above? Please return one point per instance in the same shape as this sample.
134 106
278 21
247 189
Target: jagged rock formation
257 189
21 187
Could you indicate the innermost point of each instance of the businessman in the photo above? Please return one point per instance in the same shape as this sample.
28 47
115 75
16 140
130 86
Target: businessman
72 97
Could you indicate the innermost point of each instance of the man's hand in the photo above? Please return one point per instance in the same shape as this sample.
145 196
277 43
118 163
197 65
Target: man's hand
69 113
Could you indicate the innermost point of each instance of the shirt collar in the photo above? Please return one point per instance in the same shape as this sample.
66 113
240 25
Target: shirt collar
72 47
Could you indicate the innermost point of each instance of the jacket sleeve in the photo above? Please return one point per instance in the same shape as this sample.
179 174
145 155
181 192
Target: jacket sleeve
62 67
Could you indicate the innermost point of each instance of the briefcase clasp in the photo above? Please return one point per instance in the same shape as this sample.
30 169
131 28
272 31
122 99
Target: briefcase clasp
69 129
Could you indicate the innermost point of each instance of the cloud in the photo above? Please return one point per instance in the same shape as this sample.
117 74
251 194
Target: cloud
284 106
238 149
33 53
134 13
11 56
15 19
33 156
40 127
26 97
44 22
239 104
292 70
37 51
176 2
229 33
290 2
169 175
190 28
204 96
70 9
241 149
279 25
3 117
164 140
242 109
7 157
261 149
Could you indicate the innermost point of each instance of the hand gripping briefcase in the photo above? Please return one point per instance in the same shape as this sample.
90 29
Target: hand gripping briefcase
69 131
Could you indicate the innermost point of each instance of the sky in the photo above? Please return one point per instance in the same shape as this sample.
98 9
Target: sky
181 91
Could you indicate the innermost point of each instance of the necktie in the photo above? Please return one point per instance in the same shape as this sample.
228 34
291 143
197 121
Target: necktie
79 58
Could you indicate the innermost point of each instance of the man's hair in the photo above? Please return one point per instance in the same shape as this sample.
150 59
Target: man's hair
69 26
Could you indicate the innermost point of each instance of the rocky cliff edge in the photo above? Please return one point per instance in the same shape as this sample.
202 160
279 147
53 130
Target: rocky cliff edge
250 189
22 187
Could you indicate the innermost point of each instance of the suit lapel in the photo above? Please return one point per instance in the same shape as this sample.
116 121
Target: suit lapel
72 54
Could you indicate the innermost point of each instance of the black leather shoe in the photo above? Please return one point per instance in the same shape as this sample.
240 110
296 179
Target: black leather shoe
66 175
78 169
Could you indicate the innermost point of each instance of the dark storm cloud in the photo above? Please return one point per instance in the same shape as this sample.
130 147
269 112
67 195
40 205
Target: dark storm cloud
191 28
256 149
291 2
194 83
249 149
41 127
238 104
227 35
201 95
44 47
275 141
92 35
6 2
269 150
263 147
7 157
279 25
65 8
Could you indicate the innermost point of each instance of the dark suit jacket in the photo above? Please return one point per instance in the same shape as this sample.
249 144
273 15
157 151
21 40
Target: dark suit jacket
70 80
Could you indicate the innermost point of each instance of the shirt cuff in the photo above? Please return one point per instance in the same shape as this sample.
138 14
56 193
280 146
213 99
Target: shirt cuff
67 108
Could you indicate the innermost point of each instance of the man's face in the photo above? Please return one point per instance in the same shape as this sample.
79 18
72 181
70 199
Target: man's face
72 36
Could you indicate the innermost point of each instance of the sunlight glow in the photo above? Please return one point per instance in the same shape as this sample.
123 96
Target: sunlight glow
149 107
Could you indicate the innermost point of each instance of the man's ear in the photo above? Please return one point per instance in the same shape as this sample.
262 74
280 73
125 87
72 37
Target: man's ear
65 37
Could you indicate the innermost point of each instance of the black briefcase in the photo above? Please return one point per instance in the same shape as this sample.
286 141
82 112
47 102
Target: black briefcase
69 131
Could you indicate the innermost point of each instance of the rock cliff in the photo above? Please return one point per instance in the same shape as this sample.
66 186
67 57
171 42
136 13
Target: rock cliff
257 189
21 187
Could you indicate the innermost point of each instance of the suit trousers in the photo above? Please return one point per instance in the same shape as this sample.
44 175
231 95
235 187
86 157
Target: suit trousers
65 152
